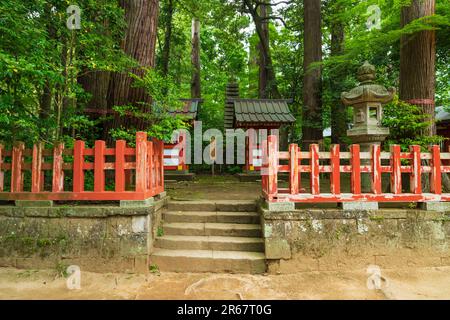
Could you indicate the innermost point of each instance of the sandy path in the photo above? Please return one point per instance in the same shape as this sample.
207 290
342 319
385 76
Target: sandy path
424 283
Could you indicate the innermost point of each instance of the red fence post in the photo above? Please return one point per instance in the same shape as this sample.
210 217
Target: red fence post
99 166
78 166
416 170
293 169
182 151
272 149
299 161
335 176
161 165
58 173
16 167
355 162
435 174
2 174
264 169
36 168
120 165
141 161
396 175
151 172
376 168
314 163
129 173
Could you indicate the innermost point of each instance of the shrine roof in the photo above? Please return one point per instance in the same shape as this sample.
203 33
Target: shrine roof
262 111
190 108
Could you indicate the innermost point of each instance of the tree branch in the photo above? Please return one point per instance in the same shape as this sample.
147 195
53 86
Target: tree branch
274 18
269 3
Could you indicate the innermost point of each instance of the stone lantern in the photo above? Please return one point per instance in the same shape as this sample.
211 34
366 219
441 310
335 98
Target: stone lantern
367 101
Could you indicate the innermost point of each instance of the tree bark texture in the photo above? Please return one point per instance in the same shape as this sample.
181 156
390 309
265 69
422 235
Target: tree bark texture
167 37
96 83
263 71
196 90
338 111
265 60
312 83
417 61
139 43
45 101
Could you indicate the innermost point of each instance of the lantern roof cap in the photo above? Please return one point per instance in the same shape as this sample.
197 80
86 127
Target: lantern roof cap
367 91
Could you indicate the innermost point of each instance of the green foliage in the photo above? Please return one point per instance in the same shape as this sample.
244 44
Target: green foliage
162 89
40 57
407 123
153 268
61 269
161 123
160 231
233 169
379 46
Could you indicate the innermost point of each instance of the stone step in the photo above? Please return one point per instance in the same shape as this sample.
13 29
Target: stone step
211 216
210 243
208 261
213 205
212 229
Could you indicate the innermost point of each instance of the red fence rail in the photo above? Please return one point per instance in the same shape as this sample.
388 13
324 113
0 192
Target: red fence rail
175 155
356 163
140 167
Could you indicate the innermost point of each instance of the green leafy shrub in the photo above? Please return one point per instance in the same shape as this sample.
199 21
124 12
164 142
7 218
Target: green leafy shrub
407 124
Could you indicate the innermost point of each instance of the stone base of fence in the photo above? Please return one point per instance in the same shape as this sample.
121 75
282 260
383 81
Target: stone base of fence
97 238
336 239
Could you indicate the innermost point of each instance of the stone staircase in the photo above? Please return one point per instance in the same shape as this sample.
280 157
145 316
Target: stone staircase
210 236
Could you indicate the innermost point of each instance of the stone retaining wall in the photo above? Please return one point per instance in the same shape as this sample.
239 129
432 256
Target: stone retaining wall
96 238
335 239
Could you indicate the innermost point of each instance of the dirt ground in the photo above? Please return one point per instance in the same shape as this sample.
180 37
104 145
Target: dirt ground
418 283
218 187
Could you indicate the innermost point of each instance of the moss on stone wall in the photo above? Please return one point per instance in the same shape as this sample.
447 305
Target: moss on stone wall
320 233
117 238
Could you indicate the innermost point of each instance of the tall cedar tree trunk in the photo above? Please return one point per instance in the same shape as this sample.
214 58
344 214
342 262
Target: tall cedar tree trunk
196 90
96 83
167 37
312 82
253 67
417 68
271 90
338 112
139 43
45 101
267 81
417 61
69 102
263 71
62 89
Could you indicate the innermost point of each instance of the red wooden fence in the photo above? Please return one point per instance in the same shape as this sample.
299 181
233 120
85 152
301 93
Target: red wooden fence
144 163
253 155
354 163
175 155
